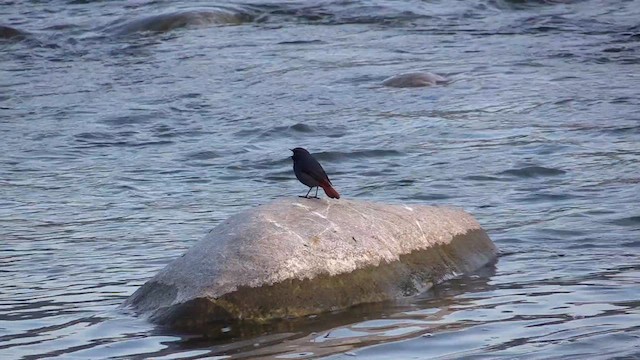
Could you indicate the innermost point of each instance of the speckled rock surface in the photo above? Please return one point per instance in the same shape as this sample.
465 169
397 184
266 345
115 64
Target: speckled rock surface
296 256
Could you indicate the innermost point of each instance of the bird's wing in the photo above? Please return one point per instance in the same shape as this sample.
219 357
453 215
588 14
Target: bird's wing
316 171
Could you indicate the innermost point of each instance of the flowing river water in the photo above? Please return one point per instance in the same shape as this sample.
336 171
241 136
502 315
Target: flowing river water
130 128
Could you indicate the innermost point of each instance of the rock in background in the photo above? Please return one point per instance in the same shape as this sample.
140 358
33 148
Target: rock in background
415 79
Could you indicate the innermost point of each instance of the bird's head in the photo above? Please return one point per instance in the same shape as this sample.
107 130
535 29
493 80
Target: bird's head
298 152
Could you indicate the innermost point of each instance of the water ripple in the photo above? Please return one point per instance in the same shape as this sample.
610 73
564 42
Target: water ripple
533 171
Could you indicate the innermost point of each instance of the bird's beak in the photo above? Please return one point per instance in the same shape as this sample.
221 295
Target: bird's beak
291 149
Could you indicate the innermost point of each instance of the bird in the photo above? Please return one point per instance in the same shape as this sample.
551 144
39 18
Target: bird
309 171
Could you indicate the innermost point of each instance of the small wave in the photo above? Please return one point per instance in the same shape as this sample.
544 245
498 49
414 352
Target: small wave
301 128
375 15
404 182
584 246
346 13
634 244
162 23
101 139
126 120
125 144
277 131
525 4
202 155
627 221
302 42
61 27
533 171
483 178
557 24
339 155
430 197
622 129
91 136
288 130
537 197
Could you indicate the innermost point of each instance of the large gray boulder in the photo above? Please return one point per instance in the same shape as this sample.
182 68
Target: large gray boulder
296 256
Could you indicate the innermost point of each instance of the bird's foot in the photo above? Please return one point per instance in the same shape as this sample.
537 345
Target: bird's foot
313 197
302 196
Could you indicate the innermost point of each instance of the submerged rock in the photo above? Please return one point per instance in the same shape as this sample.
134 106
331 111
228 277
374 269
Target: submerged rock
9 33
178 19
295 257
415 79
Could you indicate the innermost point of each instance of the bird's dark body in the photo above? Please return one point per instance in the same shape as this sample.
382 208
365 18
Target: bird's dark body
309 171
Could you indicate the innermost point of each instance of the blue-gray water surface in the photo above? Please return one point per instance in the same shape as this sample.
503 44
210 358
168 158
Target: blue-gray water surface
130 128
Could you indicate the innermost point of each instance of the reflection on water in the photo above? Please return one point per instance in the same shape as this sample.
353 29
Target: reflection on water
468 316
119 151
336 332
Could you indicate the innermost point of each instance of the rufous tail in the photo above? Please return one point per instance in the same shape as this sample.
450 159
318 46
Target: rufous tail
329 190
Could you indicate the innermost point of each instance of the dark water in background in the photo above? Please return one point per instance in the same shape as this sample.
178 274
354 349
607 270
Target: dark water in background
121 148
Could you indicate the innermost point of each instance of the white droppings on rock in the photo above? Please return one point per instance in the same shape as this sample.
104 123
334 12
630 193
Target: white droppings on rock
301 205
319 215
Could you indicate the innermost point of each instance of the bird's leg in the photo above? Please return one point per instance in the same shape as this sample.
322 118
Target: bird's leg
307 196
316 197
